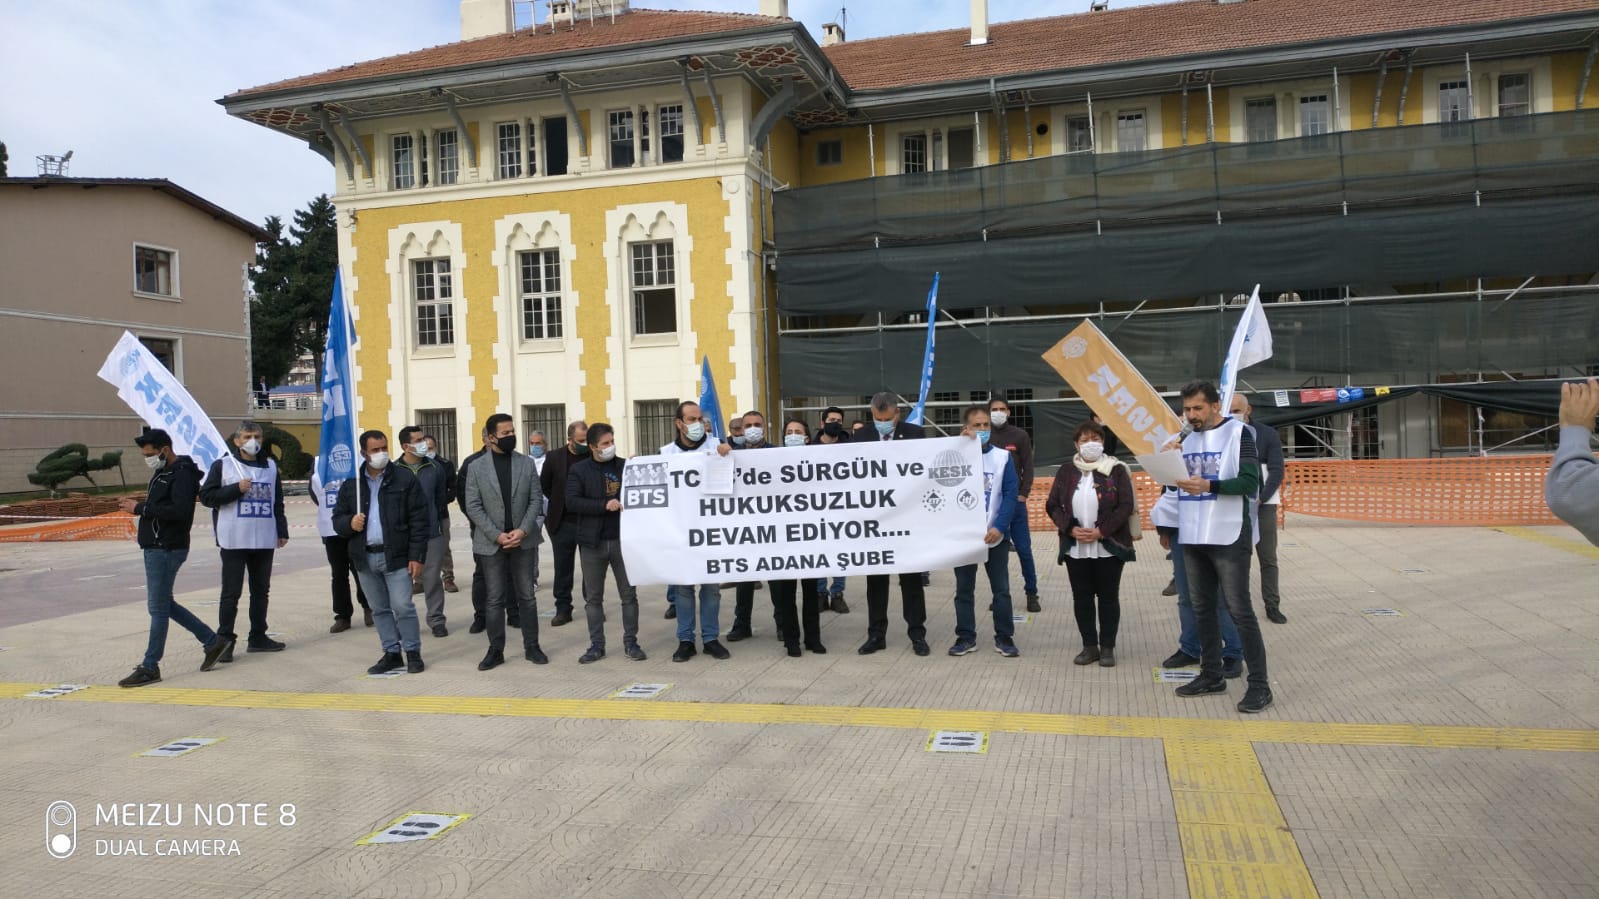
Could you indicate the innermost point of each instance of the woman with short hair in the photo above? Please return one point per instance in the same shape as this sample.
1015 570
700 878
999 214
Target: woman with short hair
1091 503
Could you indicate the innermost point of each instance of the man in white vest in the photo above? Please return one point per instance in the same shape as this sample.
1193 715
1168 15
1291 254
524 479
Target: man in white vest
1217 533
693 437
245 497
1001 487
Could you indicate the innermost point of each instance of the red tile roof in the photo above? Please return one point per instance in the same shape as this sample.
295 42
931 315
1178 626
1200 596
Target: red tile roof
638 26
1155 32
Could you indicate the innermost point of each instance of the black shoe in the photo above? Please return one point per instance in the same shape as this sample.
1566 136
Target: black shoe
389 662
1032 603
739 632
494 659
477 627
413 662
227 653
839 605
816 647
440 630
213 653
717 651
1107 657
1275 616
1204 683
1170 589
793 650
1256 699
536 655
140 677
560 619
927 580
1180 659
449 586
685 651
1088 656
366 617
340 625
594 654
671 612
921 648
509 622
871 646
1231 668
265 644
632 650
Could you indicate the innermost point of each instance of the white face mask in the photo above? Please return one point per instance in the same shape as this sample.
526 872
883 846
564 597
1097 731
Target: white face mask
695 432
424 449
378 461
793 439
607 454
155 461
998 419
753 434
251 446
1092 451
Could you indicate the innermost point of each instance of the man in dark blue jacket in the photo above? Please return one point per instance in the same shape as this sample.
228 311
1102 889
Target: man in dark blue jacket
165 518
594 499
887 426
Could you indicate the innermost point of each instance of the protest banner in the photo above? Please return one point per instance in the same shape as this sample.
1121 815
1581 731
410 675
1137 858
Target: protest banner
797 512
1113 389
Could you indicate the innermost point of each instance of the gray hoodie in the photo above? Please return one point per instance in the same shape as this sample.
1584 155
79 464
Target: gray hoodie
1572 489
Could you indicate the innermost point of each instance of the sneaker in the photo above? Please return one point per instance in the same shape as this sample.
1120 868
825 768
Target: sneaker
140 677
739 632
633 651
265 644
1275 616
1205 683
1006 647
560 619
1256 699
449 586
871 646
921 648
1171 587
340 625
227 651
492 660
594 654
413 662
535 655
1107 657
366 617
477 627
389 662
839 605
219 645
1180 659
1088 656
440 630
716 650
1232 668
685 651
963 647
1032 603
671 612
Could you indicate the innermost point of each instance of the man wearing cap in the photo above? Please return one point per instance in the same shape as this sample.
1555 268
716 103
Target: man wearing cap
165 517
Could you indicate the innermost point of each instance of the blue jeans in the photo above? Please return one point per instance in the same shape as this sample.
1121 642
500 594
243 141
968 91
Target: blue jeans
393 612
1022 538
710 611
823 590
998 569
160 572
1188 640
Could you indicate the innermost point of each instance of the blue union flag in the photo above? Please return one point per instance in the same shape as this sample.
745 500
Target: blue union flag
336 459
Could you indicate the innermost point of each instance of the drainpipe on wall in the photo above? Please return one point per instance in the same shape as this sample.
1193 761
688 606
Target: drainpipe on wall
1404 88
1587 70
1376 103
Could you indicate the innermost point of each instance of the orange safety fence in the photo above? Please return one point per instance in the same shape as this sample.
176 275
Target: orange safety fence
111 526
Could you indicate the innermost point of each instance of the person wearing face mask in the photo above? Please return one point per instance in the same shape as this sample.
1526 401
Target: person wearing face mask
753 437
383 514
438 488
832 433
480 589
692 437
594 498
913 594
506 507
1007 436
245 497
735 432
562 530
430 451
805 622
1092 504
165 517
999 498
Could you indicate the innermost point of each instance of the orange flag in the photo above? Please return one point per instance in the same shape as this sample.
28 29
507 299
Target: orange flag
1114 389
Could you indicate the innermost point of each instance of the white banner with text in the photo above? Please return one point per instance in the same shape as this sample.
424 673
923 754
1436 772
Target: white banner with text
800 512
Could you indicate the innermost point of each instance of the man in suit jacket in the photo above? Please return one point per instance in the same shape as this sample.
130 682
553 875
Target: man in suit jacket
886 425
506 508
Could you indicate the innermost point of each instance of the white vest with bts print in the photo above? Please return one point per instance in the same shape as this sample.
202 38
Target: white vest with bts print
325 496
994 462
249 523
1211 519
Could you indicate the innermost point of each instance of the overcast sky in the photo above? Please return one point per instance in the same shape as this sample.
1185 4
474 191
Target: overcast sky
130 85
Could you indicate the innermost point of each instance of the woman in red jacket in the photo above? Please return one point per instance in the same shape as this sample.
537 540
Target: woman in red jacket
1091 503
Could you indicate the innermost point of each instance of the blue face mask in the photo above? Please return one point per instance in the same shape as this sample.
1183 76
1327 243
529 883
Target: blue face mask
982 438
536 452
884 428
737 439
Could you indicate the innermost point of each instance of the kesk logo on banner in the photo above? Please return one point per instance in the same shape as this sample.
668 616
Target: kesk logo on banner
797 512
1114 389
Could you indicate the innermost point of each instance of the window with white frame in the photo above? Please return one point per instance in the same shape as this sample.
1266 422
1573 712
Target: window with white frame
402 161
1515 95
433 290
620 132
1454 101
1315 115
153 271
165 350
509 143
541 294
670 122
654 288
1079 134
1260 119
1132 132
913 155
449 155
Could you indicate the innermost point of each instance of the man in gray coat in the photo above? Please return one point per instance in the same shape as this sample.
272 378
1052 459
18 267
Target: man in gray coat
506 507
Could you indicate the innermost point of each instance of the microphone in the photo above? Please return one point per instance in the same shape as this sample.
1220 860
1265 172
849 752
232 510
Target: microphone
1188 428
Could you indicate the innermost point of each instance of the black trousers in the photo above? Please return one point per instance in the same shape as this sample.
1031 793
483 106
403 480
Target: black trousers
235 563
563 546
744 606
788 619
338 552
480 596
1099 579
912 596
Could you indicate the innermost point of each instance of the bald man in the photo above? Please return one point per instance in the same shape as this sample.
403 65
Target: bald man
1270 448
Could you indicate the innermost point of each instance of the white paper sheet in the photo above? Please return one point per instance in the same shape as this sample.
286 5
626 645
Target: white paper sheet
717 479
1166 468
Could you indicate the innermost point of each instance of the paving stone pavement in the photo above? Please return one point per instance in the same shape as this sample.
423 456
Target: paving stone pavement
1452 750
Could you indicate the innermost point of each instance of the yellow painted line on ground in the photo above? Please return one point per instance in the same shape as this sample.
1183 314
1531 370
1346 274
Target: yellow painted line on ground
1571 546
1235 839
1178 729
